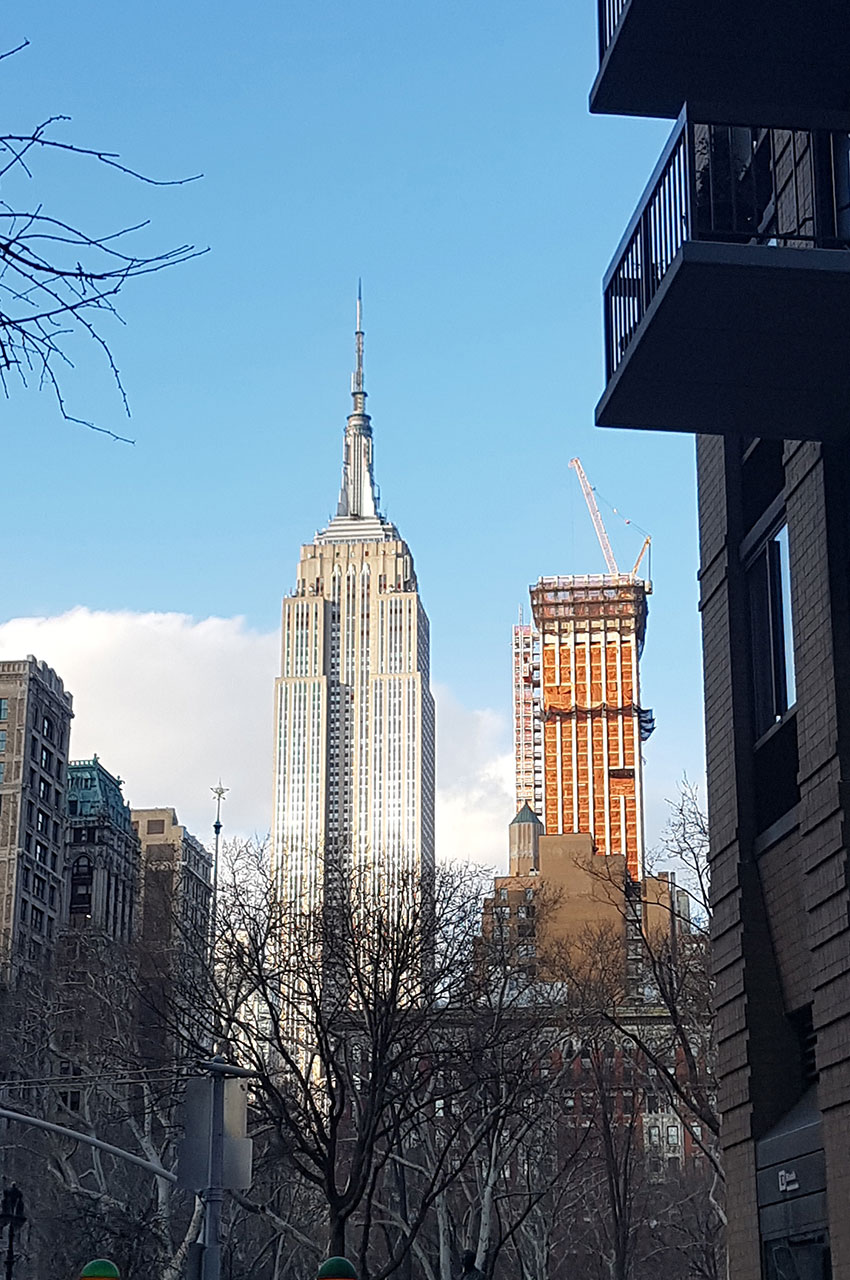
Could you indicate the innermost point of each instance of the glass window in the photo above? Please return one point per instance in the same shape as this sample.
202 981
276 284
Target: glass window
2 739
769 581
804 1256
4 708
787 633
81 885
2 770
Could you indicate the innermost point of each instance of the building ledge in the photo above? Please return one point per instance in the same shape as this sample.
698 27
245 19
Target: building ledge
740 339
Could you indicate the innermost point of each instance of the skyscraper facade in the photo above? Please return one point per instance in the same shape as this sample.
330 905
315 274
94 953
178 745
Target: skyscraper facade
577 715
354 715
35 720
528 726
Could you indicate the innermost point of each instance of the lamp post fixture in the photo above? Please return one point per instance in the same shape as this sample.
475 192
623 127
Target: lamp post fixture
219 792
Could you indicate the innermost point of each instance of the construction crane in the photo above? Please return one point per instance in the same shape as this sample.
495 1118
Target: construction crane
601 533
647 543
595 516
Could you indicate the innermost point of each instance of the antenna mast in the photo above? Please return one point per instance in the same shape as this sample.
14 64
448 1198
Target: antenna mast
595 516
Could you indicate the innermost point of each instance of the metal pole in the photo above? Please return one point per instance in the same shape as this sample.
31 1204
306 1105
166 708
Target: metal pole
219 792
63 1131
215 1191
10 1252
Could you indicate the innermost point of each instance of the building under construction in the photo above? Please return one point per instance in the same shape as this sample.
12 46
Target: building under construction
528 727
577 708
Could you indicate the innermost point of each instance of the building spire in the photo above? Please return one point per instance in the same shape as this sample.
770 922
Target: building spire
358 495
357 391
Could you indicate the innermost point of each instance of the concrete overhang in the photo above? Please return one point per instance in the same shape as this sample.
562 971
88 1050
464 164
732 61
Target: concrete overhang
735 52
740 339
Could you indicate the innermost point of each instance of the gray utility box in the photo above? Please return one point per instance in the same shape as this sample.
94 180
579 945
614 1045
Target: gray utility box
193 1158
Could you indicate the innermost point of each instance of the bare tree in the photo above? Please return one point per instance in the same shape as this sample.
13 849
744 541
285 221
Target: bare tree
403 1064
664 1004
70 1053
59 282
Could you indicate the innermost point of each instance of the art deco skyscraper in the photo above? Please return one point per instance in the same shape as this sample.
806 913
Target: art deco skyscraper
354 715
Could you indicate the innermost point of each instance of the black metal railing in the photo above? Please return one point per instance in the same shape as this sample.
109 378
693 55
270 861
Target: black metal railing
610 12
730 184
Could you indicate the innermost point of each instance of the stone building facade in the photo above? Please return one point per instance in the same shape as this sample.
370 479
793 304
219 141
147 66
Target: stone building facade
35 719
176 881
103 860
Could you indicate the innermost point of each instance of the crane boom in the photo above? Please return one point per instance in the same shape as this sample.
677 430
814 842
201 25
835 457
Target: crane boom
647 543
595 516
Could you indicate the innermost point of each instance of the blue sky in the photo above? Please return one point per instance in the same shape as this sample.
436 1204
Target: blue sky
443 152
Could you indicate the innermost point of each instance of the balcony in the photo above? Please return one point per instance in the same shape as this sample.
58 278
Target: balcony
655 56
727 305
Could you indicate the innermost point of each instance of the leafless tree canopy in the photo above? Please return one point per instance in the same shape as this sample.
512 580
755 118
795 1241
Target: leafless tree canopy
58 281
417 1094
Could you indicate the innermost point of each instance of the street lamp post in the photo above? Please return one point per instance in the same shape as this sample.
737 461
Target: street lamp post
219 792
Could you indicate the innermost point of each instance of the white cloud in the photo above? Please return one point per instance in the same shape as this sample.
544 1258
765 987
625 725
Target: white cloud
475 783
168 703
171 704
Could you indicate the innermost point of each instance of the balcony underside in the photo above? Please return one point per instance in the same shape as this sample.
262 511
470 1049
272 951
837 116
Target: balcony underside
741 339
738 54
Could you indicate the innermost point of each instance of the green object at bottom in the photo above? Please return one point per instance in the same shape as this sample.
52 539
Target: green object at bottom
100 1269
337 1269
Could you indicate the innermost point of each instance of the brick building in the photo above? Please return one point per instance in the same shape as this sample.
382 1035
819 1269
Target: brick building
173 929
560 889
726 310
177 873
567 913
35 718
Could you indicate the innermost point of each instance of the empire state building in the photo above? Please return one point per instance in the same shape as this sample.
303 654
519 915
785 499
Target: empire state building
354 715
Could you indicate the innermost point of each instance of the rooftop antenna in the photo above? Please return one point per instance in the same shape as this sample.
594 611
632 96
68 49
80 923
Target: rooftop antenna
357 390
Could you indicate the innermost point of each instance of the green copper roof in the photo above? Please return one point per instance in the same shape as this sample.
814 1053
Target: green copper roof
101 1269
526 814
337 1269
